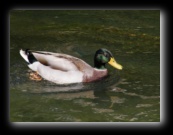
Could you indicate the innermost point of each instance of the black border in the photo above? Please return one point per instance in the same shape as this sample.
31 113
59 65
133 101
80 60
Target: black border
7 6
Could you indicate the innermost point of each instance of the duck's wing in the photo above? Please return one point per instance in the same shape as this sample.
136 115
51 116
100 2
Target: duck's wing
62 62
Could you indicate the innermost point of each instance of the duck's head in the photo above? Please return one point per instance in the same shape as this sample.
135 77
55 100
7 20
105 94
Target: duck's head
103 56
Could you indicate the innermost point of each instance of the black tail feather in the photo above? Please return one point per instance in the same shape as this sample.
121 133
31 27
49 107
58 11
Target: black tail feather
31 57
26 51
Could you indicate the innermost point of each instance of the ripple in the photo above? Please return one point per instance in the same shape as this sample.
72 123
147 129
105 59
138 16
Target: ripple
141 113
144 105
102 110
67 118
120 117
117 89
69 96
115 99
133 119
141 96
83 103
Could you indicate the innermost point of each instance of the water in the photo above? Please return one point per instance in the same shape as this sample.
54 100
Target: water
130 95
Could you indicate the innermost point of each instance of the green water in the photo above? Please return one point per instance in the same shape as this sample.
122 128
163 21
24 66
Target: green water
130 95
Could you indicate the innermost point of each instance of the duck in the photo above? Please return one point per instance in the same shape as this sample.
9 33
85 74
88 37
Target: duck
62 68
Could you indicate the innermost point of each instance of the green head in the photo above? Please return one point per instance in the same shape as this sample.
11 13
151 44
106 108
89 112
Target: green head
103 56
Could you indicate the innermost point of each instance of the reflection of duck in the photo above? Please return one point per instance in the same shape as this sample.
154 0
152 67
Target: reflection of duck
63 68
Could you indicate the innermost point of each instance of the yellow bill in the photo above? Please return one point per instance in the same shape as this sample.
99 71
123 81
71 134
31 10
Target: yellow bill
113 63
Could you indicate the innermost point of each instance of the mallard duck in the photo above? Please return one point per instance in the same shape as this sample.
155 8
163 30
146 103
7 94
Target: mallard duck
65 69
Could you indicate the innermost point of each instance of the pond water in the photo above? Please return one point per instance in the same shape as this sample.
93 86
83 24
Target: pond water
130 95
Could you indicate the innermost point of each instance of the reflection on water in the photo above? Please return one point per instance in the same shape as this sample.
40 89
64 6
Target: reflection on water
55 88
66 103
130 95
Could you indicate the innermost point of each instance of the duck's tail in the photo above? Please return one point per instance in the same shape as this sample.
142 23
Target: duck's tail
28 56
33 63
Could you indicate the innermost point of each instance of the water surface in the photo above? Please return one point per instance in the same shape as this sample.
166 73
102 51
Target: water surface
130 95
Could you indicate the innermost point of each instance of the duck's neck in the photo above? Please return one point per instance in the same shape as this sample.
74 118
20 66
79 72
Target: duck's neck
99 66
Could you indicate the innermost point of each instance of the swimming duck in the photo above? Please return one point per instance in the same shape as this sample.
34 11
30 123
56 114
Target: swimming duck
65 69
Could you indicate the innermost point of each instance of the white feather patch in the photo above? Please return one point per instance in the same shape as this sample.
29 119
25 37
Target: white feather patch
59 77
22 53
34 66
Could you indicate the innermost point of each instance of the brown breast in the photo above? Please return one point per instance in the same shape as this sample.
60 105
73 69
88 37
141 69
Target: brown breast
97 74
